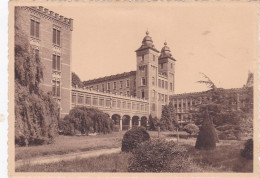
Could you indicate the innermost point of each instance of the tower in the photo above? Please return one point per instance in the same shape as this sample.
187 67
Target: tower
147 72
167 68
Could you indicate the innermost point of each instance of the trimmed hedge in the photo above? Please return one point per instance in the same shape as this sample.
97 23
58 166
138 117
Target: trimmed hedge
134 137
247 152
191 129
159 155
207 136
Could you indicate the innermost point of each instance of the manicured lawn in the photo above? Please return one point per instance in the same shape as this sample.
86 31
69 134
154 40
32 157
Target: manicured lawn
225 158
69 144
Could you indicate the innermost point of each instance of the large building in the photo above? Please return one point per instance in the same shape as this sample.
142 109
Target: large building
153 79
186 103
50 36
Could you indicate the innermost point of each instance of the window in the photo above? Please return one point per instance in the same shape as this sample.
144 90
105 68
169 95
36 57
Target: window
161 65
73 98
118 104
108 103
56 88
143 57
56 64
80 99
166 85
56 37
171 87
166 98
159 83
35 28
142 93
114 103
114 85
171 65
88 100
97 87
128 93
162 97
121 93
121 84
162 83
153 81
95 101
101 102
127 83
143 81
153 107
153 57
108 86
37 56
124 104
159 96
103 87
128 105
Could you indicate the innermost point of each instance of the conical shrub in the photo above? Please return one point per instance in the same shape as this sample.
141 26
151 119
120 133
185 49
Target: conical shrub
207 136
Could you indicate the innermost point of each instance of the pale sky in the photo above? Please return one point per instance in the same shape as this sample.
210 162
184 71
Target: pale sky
216 39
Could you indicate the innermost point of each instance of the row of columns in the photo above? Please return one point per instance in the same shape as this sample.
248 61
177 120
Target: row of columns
130 122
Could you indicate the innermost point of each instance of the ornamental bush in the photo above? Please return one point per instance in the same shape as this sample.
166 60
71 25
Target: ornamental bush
159 155
191 129
85 120
134 137
207 135
247 152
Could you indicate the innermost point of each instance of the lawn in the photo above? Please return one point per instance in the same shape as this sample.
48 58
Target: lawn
69 144
225 158
72 144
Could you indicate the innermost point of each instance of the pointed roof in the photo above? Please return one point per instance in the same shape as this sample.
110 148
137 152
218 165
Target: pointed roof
166 52
147 43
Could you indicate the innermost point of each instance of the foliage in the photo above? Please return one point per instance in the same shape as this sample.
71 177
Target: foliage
247 152
134 137
168 119
191 129
76 80
158 155
208 81
36 113
86 120
207 135
153 123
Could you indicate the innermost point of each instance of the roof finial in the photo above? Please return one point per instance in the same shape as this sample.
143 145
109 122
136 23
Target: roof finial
147 32
165 43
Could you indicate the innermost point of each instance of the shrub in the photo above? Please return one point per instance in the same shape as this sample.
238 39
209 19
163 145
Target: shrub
207 135
134 137
158 156
191 129
153 123
247 152
86 120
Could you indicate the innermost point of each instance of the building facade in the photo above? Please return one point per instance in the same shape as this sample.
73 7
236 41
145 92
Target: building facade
153 79
49 34
186 103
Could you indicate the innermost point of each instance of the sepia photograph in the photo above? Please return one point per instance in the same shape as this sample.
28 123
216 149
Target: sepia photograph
161 87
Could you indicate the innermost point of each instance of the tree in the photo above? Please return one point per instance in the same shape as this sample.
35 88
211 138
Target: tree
36 113
207 135
191 129
76 81
153 122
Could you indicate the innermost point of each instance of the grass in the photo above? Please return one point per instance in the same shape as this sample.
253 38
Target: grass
72 144
69 144
117 162
225 158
